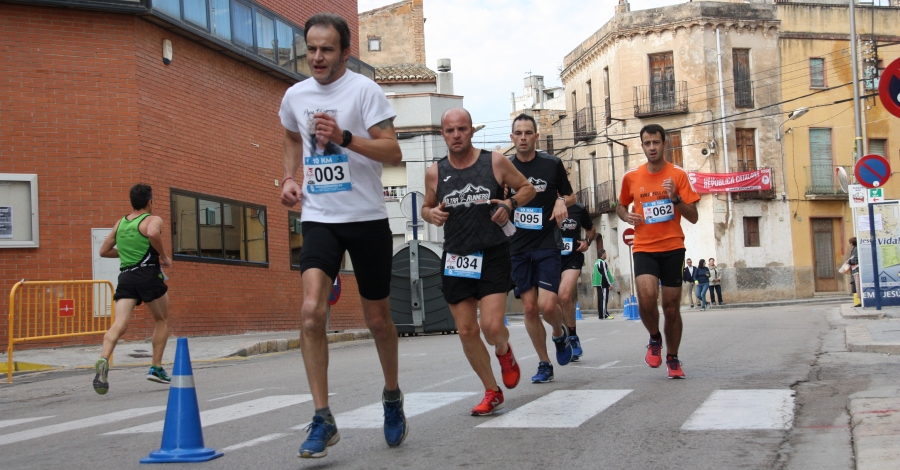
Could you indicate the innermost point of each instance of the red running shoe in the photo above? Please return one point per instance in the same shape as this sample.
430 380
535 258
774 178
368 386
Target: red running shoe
653 357
675 370
509 368
493 401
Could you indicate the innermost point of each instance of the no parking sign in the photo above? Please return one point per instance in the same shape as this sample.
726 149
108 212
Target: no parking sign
889 88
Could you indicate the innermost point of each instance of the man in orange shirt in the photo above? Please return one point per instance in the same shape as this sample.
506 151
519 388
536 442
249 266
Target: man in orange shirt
662 194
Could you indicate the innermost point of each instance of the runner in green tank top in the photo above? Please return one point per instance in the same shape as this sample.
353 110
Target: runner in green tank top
137 241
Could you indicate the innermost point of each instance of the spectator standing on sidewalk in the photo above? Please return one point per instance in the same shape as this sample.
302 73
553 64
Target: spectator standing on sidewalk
715 288
687 277
602 279
701 280
854 273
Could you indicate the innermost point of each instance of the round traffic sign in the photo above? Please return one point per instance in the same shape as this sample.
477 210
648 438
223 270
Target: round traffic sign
335 291
889 88
872 171
628 236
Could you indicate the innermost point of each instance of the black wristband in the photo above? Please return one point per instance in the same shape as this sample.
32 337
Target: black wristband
347 138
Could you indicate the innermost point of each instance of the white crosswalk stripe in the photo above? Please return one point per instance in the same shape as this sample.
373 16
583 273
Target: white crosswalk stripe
229 413
78 424
13 422
253 442
372 416
743 409
559 409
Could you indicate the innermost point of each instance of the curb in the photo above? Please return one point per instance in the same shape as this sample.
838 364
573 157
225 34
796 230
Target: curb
850 312
875 425
19 366
859 339
286 344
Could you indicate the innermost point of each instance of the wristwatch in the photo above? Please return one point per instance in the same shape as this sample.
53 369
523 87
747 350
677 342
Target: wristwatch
513 203
347 138
676 200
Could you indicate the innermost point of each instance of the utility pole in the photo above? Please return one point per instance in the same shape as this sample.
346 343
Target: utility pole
859 145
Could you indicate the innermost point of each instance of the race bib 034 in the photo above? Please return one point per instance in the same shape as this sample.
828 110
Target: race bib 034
327 174
529 218
468 266
658 211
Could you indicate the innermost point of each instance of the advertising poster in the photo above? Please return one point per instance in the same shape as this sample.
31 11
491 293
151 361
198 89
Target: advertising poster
756 180
887 250
6 220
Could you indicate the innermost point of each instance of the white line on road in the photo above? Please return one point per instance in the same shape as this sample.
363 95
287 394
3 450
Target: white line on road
78 424
445 382
258 440
13 422
604 366
526 357
236 394
588 340
559 409
229 413
743 409
372 416
613 332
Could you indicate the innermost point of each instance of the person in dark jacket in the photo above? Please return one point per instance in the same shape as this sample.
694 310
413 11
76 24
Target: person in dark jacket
701 280
687 278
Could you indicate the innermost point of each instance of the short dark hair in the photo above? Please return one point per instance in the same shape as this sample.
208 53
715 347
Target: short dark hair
330 19
141 195
523 117
702 263
653 129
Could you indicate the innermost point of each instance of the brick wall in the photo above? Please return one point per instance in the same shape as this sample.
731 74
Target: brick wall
401 27
90 107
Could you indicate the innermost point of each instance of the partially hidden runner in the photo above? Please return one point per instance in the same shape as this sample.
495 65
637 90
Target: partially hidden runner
463 193
339 126
571 262
535 247
136 240
662 194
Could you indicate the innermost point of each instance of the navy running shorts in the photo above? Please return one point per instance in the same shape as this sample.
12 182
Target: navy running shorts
539 268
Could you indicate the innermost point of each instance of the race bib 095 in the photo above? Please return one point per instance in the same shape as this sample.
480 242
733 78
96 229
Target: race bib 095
529 218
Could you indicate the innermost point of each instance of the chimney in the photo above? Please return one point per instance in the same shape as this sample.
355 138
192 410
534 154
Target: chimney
623 7
444 77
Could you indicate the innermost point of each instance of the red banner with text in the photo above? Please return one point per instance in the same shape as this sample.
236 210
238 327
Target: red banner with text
756 180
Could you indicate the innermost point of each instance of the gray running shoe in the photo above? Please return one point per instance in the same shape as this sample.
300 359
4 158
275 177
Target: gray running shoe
101 367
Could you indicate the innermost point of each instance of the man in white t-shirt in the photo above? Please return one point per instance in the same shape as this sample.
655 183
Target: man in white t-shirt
339 128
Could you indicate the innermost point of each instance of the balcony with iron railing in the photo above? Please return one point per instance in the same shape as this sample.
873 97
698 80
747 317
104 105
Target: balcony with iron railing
394 193
584 124
585 197
822 182
661 98
743 95
606 197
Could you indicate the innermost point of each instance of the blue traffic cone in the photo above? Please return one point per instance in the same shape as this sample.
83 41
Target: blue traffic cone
635 315
578 311
182 438
505 321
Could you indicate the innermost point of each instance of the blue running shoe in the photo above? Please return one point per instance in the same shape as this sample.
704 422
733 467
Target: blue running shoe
158 375
321 436
563 349
544 373
576 347
395 426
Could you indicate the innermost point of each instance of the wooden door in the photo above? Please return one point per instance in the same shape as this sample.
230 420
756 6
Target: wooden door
662 81
823 255
746 149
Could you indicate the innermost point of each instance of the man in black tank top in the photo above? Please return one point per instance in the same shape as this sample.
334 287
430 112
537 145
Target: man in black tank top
463 193
535 248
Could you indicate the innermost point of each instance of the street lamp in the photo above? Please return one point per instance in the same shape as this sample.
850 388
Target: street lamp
793 115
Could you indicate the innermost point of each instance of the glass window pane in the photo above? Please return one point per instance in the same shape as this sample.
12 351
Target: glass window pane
300 47
242 18
169 7
195 12
184 225
285 45
265 36
255 236
221 19
817 72
234 246
295 231
210 219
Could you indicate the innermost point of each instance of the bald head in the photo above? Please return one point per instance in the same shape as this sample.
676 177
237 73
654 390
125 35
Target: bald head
456 112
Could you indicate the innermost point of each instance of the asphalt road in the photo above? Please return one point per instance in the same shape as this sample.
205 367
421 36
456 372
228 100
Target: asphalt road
765 388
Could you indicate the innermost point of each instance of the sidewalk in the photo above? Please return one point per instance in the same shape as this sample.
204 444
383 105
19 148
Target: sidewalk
763 304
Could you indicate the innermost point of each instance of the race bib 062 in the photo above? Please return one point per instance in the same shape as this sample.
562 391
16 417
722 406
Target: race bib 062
658 211
567 247
327 174
529 218
468 266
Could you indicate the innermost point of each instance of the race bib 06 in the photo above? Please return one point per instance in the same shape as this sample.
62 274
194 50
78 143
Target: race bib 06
327 174
567 247
658 211
529 218
468 266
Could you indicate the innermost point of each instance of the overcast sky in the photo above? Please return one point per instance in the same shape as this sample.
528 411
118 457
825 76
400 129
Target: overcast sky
493 44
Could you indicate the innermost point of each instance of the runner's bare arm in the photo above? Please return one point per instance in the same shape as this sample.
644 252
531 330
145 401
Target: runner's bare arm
154 234
108 248
292 156
630 217
583 244
689 211
381 147
431 212
507 174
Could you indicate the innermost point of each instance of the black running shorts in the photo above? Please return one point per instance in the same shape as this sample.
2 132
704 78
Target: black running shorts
667 266
573 261
369 243
146 292
495 277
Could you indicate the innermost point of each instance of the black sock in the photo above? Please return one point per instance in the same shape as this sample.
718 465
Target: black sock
325 413
657 337
670 357
391 395
572 331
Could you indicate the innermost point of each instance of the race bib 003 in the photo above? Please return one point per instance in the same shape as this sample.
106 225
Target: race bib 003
529 218
567 247
327 174
468 266
658 211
